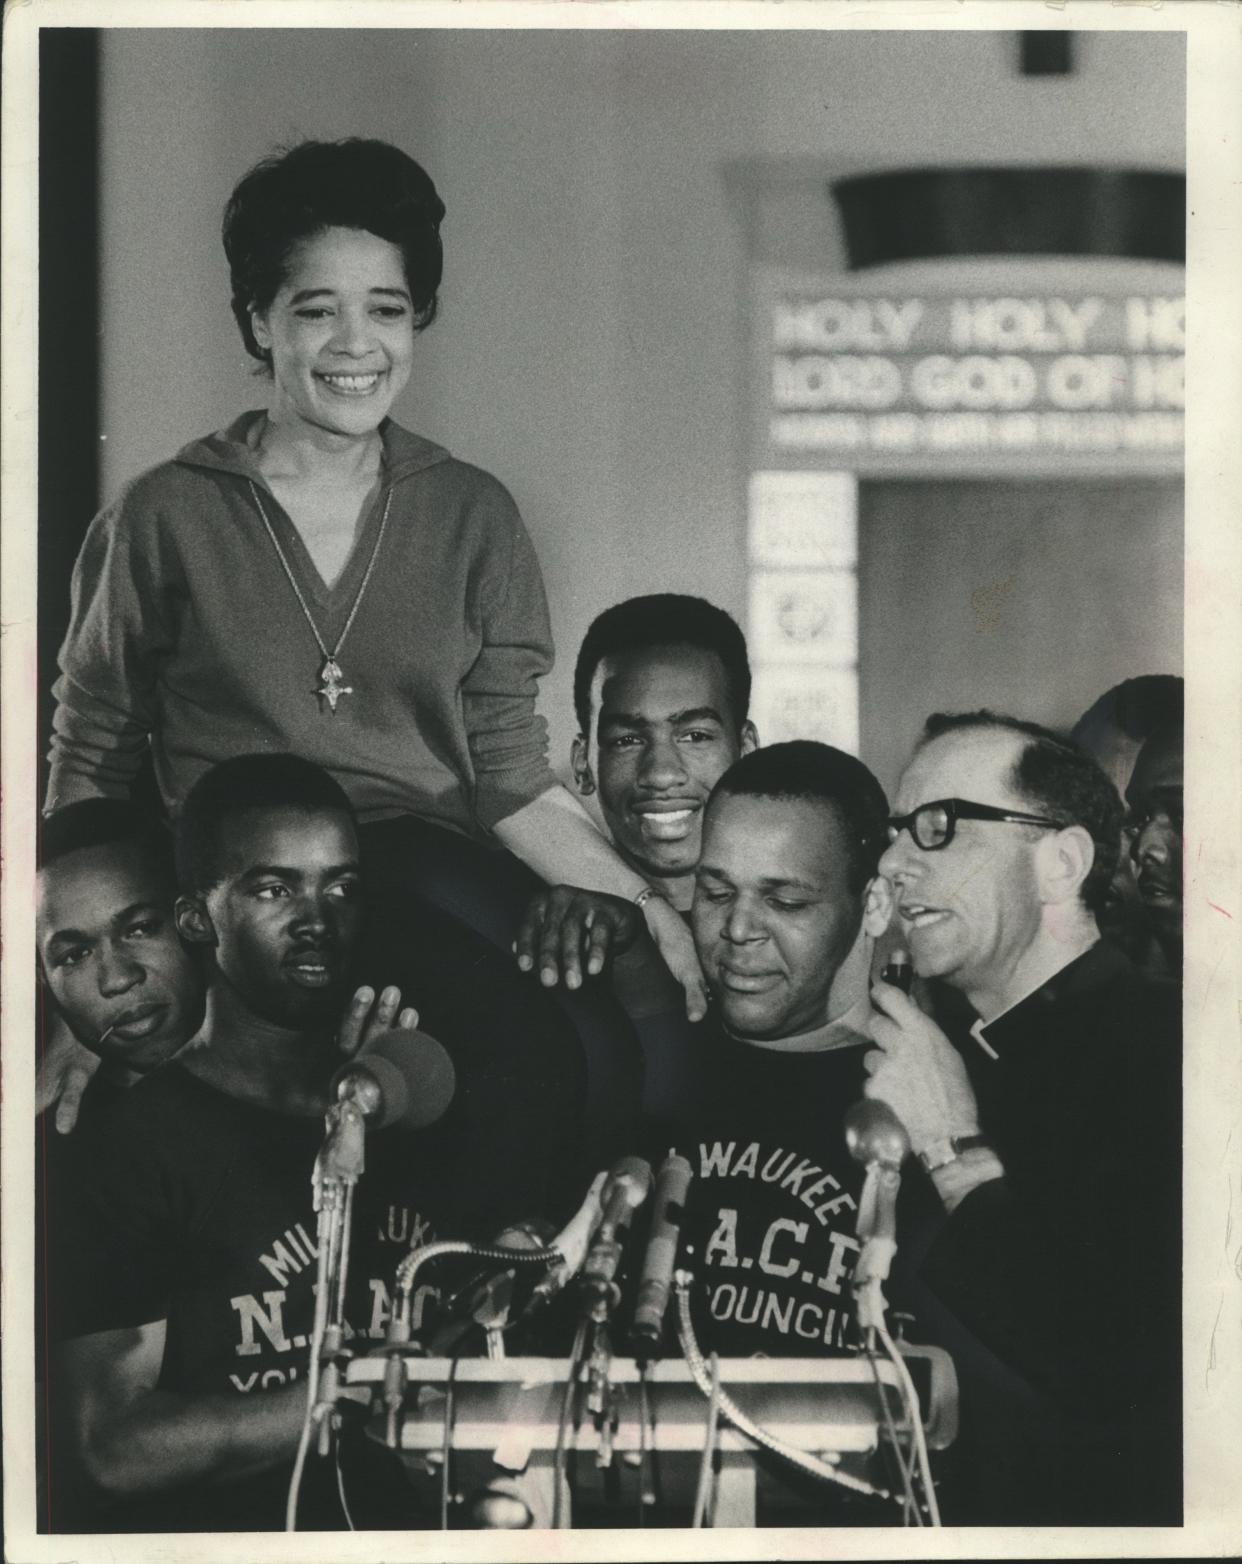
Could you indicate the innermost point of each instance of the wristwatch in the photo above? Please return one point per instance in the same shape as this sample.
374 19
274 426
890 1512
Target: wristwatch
941 1152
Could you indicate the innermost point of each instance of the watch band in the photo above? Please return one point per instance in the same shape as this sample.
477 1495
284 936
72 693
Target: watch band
941 1152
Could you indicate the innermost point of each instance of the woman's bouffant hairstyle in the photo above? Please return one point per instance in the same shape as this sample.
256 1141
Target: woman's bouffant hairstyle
299 192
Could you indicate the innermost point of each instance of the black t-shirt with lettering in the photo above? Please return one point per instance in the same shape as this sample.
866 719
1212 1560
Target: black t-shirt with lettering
197 1210
771 1213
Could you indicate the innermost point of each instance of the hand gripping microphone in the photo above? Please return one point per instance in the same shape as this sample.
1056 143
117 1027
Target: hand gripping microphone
628 1185
404 1078
877 1138
672 1185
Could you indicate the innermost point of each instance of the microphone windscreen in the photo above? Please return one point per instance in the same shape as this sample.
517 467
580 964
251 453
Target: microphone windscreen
632 1176
415 1076
874 1133
627 1186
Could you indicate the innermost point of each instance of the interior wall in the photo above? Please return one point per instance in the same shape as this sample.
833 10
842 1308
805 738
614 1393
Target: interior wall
1031 598
602 213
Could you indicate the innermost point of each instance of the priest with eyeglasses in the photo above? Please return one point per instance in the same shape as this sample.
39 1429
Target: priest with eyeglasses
1049 1124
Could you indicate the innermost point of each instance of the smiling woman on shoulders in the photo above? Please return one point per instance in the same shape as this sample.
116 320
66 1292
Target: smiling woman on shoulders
317 579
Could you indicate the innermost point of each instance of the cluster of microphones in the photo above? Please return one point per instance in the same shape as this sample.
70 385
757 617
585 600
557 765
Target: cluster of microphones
406 1080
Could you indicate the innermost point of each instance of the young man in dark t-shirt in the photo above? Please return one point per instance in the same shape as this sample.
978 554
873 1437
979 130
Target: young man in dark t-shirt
109 954
185 1338
661 695
786 910
117 983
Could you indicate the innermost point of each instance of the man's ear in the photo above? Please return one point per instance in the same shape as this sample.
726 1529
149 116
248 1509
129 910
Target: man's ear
584 781
194 921
877 906
750 737
1063 860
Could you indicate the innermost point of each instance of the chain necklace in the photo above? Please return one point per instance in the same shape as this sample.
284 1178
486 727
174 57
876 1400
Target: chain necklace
331 679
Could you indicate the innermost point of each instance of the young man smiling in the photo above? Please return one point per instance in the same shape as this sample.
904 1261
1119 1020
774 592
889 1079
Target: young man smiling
661 690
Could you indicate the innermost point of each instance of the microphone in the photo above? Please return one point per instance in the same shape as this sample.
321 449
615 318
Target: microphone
571 1244
404 1078
486 1297
628 1185
877 1138
572 1240
898 970
672 1185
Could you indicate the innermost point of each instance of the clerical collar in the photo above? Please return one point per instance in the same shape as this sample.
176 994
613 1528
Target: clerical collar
846 1031
1074 970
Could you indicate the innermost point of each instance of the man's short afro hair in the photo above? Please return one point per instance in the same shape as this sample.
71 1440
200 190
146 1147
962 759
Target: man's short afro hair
275 781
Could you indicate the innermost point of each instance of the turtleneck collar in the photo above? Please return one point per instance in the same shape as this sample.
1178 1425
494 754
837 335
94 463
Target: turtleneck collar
847 1031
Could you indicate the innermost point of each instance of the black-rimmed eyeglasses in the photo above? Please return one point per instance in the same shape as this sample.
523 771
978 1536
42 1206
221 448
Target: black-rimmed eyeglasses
932 825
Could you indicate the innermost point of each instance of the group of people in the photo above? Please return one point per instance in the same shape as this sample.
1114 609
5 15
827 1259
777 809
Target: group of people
364 833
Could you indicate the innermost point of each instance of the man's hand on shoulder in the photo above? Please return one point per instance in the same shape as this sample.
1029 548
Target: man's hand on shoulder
572 934
368 1017
64 1075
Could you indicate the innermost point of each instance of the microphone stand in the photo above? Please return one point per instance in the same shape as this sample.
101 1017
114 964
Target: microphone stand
599 1299
877 1138
338 1167
628 1186
875 1211
600 1399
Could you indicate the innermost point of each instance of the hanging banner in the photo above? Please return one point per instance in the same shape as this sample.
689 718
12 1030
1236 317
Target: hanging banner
879 380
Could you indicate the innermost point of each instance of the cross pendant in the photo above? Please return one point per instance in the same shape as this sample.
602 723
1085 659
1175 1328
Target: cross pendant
331 688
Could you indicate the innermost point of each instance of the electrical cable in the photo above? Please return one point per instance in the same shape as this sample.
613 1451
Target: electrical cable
295 1481
709 1446
342 1259
340 1486
413 1262
318 1331
644 1448
910 1502
745 1425
446 1447
915 1417
562 1427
